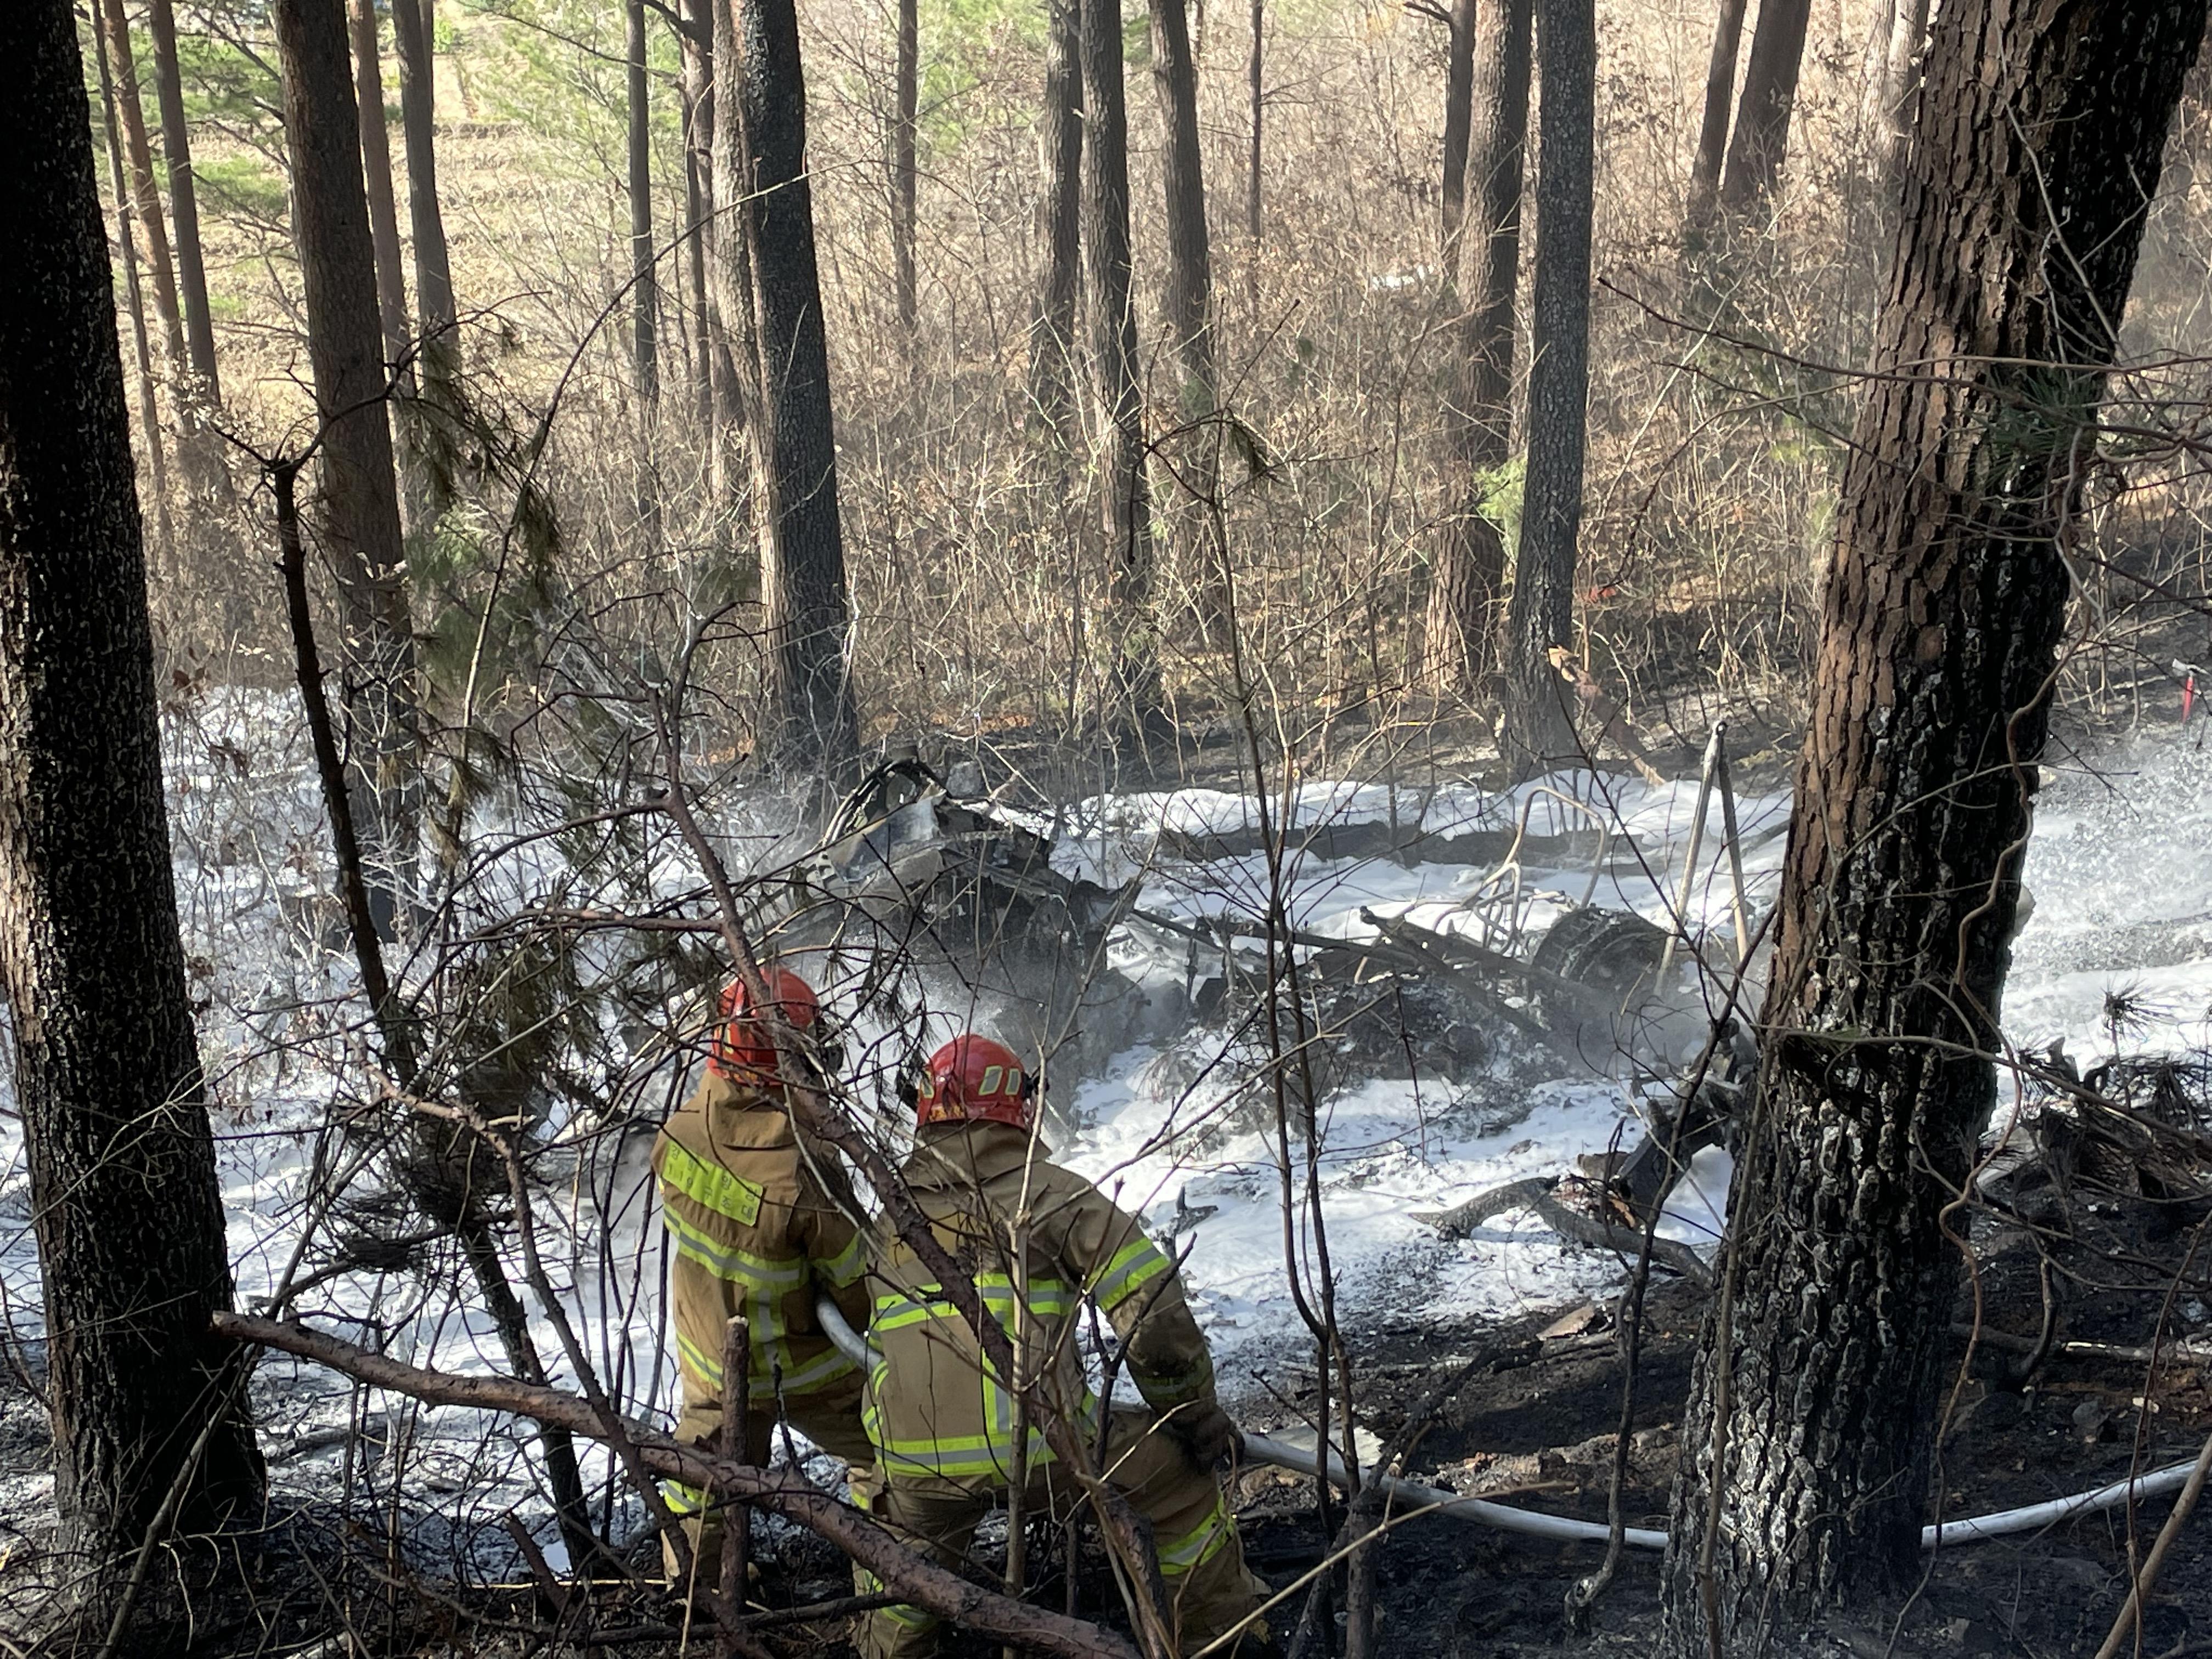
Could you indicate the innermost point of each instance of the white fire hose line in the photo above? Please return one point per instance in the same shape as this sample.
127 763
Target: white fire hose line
1505 1518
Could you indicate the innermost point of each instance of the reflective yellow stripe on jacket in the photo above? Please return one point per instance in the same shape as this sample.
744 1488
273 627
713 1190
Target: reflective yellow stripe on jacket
765 1281
992 1452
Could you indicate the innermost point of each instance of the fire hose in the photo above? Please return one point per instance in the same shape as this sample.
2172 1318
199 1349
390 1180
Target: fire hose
1414 1496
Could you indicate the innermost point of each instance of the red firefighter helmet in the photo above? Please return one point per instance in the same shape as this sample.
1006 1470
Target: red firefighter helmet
743 1049
973 1077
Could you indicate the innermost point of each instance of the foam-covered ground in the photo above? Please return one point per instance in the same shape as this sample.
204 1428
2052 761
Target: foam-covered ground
2124 902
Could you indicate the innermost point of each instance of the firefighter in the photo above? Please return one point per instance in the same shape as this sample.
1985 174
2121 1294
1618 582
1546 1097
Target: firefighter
946 1430
761 1223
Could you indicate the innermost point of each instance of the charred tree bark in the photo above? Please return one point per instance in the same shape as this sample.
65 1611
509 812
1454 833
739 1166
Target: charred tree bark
436 320
360 512
1059 223
376 172
184 205
1537 729
126 245
1713 129
1762 116
1459 86
1192 461
803 547
1127 507
905 166
124 1201
1458 630
1807 1438
645 285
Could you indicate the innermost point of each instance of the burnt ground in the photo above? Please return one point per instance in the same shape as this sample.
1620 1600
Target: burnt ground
1511 1412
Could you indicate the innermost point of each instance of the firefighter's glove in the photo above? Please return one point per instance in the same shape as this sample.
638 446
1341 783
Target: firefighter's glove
1204 1432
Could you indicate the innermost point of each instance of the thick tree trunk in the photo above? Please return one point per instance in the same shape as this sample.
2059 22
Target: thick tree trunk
1713 129
124 1201
126 245
145 193
1127 509
1192 462
1059 222
1537 731
184 204
905 168
1762 116
1807 1442
1458 628
436 317
645 290
360 494
1459 84
376 169
803 547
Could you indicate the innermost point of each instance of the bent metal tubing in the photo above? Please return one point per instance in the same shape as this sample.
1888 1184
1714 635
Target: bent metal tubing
1415 1495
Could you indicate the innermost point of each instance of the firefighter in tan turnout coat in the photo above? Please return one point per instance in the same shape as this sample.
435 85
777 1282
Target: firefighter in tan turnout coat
947 1432
761 1226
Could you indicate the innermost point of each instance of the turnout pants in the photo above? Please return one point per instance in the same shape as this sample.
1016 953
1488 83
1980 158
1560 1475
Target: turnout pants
1202 1557
830 1417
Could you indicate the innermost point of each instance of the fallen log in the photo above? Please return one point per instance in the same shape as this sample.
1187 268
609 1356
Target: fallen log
1534 1193
787 1492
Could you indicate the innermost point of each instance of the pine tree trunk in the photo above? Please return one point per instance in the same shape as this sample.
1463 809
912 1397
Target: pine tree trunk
127 244
436 317
1192 462
905 168
1537 731
360 497
376 161
184 205
124 1200
1059 223
1127 510
1762 117
1459 84
812 722
645 290
1458 628
1713 129
143 191
1255 99
696 49
1807 1441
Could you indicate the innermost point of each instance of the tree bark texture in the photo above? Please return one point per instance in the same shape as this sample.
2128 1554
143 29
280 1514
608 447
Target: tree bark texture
436 320
1192 461
184 204
1762 116
645 290
1459 83
1457 645
360 509
1538 730
696 39
737 461
1126 495
126 245
1900 85
905 165
1059 222
145 193
124 1201
376 172
1713 129
1255 99
803 566
1807 1438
